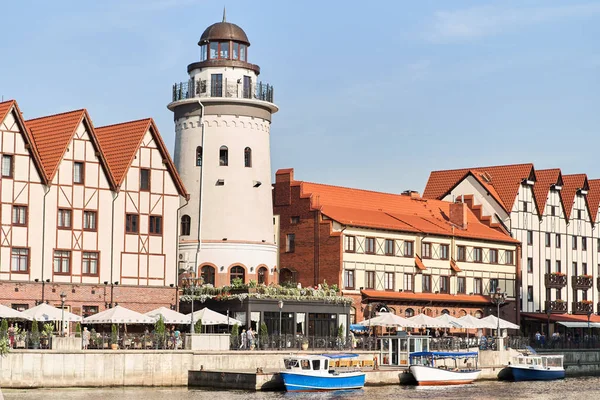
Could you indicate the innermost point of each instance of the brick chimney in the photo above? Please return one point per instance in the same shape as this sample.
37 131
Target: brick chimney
458 214
283 180
413 194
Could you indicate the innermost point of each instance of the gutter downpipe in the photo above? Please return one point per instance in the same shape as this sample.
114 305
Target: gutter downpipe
112 246
47 190
200 195
178 230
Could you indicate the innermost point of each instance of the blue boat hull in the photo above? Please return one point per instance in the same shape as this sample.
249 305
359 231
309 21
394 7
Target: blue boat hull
301 382
531 374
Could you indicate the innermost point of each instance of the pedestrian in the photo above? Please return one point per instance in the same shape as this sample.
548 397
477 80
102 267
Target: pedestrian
250 337
177 338
243 339
352 340
86 338
11 335
538 337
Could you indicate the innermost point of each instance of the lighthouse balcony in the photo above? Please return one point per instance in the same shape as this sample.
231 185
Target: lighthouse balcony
222 88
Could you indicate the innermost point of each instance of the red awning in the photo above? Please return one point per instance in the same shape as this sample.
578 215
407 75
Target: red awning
419 263
560 317
454 266
435 297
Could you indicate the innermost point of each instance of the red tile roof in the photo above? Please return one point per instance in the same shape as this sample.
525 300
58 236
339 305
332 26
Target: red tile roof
408 296
120 143
505 180
419 264
454 267
5 107
545 179
571 184
593 198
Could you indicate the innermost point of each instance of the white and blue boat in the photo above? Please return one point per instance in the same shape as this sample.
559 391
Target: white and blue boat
537 368
318 373
444 367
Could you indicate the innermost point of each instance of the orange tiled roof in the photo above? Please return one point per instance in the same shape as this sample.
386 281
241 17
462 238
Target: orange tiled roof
419 264
5 107
572 183
505 179
408 296
393 212
545 179
120 143
454 266
593 198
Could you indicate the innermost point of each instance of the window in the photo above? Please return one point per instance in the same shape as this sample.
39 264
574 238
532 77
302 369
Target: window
444 252
574 242
530 265
575 268
426 250
350 243
7 166
155 225
548 266
579 214
524 206
558 240
144 179
509 257
584 243
235 51
243 52
493 285
408 249
19 215
461 253
462 284
426 284
598 245
223 49
62 262
409 283
87 311
349 279
493 256
389 247
370 279
290 243
64 218
262 275
477 254
294 220
370 245
199 156
223 156
529 237
19 307
444 284
214 50
584 270
90 263
547 239
89 220
248 157
558 266
409 312
132 223
19 260
216 83
237 272
208 275
389 281
553 210
186 223
530 293
477 286
78 172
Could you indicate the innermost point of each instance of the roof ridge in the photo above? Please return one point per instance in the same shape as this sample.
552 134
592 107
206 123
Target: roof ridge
481 167
350 188
123 123
56 115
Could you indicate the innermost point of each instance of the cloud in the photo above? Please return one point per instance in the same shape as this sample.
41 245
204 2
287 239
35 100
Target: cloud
477 22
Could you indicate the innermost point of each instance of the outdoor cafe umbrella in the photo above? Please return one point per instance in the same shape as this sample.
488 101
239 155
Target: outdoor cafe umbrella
210 317
449 319
169 316
389 320
503 323
429 322
9 313
470 322
119 315
45 312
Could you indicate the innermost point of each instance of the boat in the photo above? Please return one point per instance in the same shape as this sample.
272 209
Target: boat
444 368
537 367
319 373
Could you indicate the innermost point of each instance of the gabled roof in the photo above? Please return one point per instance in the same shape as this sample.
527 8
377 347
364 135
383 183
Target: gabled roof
505 180
120 143
593 198
545 179
572 183
5 107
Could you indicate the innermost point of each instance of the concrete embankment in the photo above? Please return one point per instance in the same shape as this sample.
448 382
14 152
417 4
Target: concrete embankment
578 362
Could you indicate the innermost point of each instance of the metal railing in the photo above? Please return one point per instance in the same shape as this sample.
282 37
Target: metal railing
566 342
222 88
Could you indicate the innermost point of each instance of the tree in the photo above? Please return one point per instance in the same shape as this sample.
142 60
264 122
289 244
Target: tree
198 326
35 335
114 335
159 329
263 335
235 336
4 328
78 330
341 331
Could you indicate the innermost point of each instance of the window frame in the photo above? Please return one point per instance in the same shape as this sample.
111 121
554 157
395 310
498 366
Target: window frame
129 224
11 172
583 243
409 245
153 225
409 278
426 278
347 242
393 247
558 240
83 263
210 271
95 219
148 186
234 275
370 280
477 285
290 243
529 238
426 250
349 276
444 281
199 156
493 259
461 253
530 293
574 242
548 239
185 223
68 258
509 256
26 214
27 260
60 218
263 273
529 265
476 251
460 279
386 281
223 156
81 181
247 157
444 248
370 245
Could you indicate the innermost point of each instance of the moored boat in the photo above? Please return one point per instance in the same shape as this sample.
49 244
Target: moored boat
537 368
444 368
317 373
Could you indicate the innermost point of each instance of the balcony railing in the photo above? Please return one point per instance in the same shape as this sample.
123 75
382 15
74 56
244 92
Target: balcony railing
556 306
223 88
582 282
582 307
555 281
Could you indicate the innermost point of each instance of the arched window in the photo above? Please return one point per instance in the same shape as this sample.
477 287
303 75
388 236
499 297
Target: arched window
199 156
285 276
223 156
262 275
462 313
208 275
446 311
409 313
428 312
237 272
186 223
392 310
478 314
248 157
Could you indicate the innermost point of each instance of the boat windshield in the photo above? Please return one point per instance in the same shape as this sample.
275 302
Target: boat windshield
305 364
316 364
290 363
554 361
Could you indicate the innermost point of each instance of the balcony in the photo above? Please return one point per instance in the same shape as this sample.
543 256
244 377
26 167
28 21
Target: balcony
200 89
583 282
582 307
556 306
556 281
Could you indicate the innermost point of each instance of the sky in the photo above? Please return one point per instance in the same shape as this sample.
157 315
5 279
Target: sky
373 95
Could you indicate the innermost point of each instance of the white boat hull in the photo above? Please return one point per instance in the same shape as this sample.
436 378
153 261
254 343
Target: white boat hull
431 376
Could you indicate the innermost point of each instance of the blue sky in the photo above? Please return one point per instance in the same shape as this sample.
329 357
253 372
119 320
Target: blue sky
372 95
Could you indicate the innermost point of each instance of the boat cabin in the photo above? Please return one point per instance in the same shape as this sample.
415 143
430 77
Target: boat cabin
540 361
307 363
455 361
395 350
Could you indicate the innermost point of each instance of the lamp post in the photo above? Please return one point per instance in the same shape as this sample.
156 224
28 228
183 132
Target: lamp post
192 283
63 296
280 305
498 298
548 313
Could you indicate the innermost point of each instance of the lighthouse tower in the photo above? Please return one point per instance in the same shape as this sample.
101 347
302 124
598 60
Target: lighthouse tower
222 152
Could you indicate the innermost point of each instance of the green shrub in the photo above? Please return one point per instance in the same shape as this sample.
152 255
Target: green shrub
35 334
198 326
4 328
114 335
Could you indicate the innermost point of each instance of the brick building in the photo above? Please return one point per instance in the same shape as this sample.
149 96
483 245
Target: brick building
396 252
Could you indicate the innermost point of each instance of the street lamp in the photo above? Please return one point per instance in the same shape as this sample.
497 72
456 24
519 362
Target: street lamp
192 282
63 296
548 313
280 305
498 298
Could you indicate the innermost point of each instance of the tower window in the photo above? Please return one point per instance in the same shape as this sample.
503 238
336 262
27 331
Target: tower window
243 52
223 156
199 156
248 157
186 223
214 50
235 50
223 49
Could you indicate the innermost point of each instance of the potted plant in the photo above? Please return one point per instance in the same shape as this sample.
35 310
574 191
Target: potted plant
159 330
114 337
34 338
198 326
235 336
305 343
263 335
78 330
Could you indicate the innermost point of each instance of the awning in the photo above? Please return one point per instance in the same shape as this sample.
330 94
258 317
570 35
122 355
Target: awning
543 317
454 266
419 263
579 324
358 328
387 296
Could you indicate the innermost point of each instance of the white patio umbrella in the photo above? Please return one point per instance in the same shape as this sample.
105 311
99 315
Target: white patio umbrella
470 322
169 316
389 320
7 312
210 317
449 319
45 312
493 320
429 322
119 315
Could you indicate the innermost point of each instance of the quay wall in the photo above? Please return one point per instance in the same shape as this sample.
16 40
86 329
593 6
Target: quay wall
578 362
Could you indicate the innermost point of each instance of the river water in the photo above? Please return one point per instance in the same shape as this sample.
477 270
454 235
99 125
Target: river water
587 388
